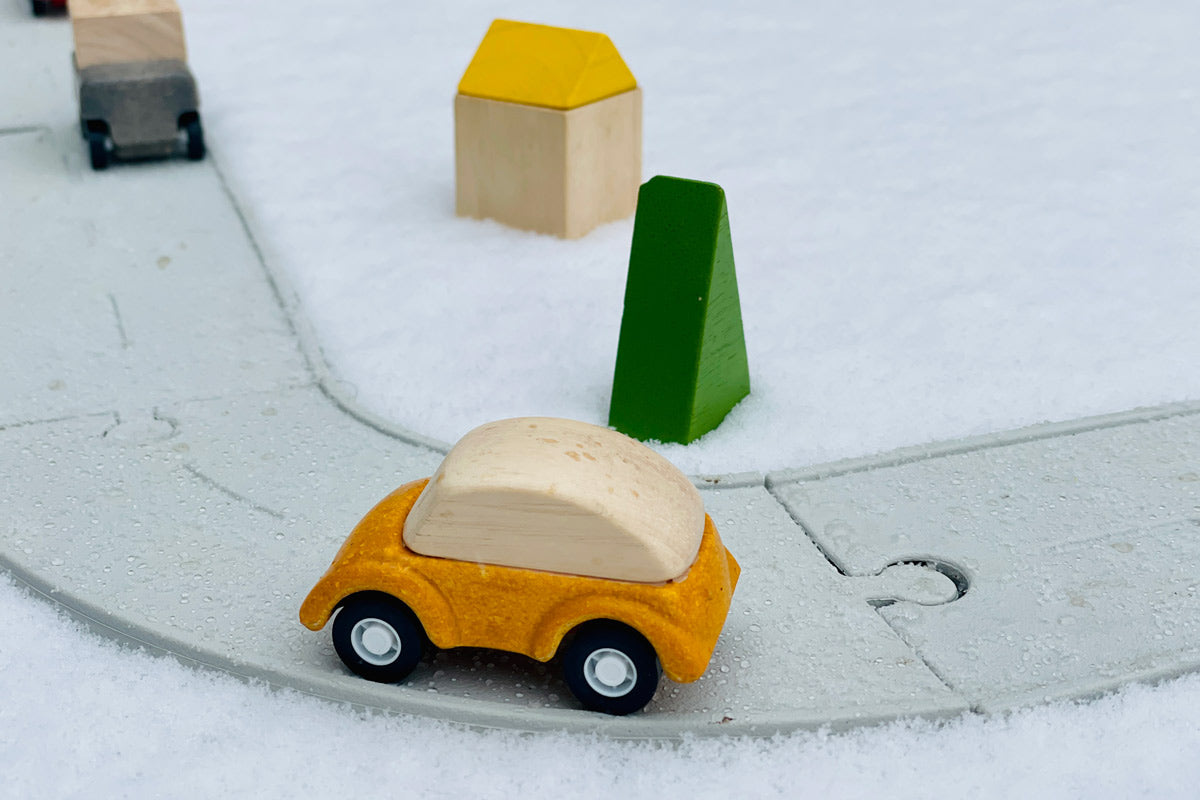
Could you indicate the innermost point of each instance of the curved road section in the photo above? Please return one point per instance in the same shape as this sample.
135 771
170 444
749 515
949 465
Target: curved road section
178 469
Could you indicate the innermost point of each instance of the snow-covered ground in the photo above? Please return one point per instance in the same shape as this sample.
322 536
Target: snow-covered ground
82 718
948 218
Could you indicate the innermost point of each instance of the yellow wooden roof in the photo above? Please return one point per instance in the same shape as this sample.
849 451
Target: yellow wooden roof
540 65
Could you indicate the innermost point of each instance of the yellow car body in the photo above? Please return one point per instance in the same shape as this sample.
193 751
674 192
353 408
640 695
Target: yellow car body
463 603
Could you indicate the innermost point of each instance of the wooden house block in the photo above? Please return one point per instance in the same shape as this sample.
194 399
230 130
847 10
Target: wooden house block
546 170
120 31
548 131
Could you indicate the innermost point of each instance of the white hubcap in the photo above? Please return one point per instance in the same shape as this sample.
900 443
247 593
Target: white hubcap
375 641
609 672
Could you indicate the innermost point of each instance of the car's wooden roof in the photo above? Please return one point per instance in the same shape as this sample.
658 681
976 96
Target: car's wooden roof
562 496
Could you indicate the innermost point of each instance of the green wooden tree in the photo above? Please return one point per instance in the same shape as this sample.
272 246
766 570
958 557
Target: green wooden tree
681 360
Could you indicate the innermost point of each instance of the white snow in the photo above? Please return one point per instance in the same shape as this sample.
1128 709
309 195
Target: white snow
949 217
83 718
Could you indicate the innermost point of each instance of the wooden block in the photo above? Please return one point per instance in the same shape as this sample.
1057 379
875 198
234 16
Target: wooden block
561 496
681 359
120 31
548 170
540 65
604 161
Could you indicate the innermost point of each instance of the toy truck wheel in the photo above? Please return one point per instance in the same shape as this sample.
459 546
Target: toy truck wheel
41 7
611 668
195 138
98 149
378 637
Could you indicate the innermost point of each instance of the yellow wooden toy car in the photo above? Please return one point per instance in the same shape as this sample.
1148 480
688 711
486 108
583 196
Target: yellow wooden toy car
536 536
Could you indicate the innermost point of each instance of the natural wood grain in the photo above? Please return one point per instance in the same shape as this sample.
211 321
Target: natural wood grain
119 31
548 170
561 496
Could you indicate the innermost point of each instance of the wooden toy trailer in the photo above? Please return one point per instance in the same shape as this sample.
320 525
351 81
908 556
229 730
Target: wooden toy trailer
137 97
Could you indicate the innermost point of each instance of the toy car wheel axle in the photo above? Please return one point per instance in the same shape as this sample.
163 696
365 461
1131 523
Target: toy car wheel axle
610 672
375 642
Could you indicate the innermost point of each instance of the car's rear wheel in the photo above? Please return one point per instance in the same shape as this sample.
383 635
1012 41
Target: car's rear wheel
194 134
611 668
378 637
98 150
41 7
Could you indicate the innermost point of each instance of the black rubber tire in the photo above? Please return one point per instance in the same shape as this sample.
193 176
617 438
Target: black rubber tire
588 640
389 613
195 139
40 7
98 150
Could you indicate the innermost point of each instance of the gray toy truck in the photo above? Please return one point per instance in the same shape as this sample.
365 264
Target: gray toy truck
137 97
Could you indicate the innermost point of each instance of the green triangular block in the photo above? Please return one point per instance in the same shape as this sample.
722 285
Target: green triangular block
681 361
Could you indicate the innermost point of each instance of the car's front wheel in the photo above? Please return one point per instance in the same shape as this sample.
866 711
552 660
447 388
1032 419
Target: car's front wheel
611 668
378 637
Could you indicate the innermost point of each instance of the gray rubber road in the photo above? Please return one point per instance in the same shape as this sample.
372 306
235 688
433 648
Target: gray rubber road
178 469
